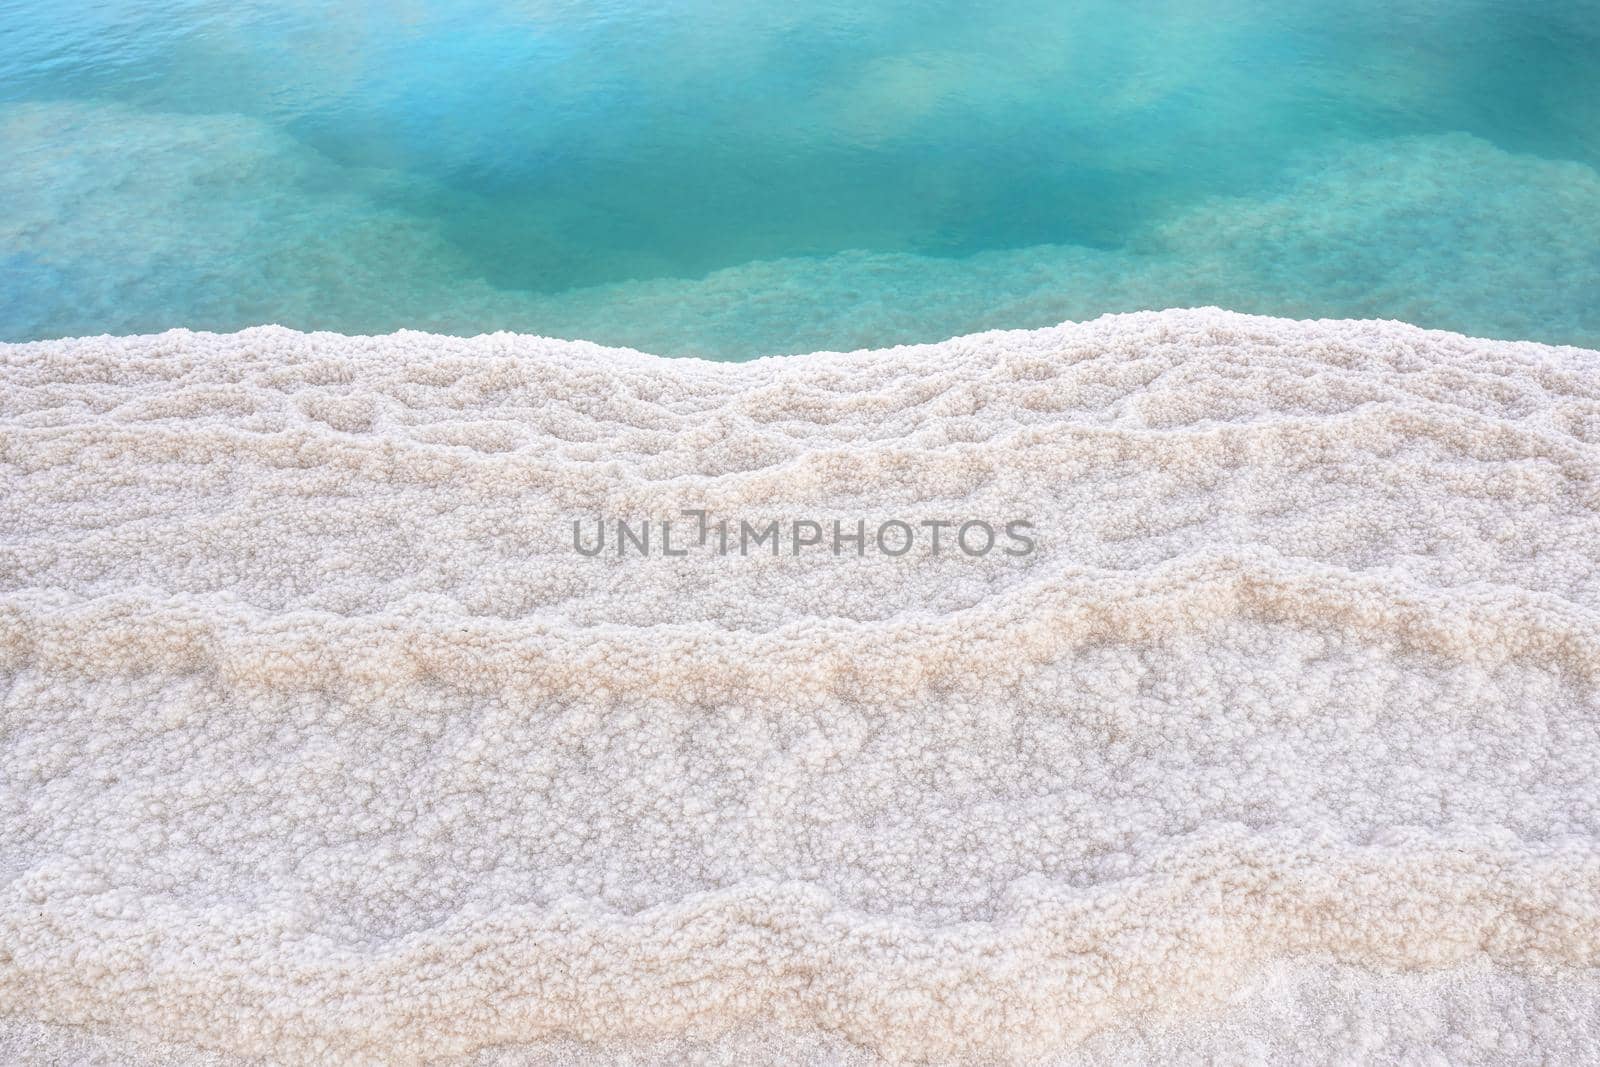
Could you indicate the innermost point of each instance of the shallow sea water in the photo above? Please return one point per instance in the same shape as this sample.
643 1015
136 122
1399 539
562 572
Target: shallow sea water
698 178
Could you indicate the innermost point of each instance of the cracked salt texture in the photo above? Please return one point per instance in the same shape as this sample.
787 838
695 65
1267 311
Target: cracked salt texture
321 744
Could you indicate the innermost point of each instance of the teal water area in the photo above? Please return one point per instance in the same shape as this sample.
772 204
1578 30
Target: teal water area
693 177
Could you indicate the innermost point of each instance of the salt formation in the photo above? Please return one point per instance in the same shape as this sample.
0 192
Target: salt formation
322 744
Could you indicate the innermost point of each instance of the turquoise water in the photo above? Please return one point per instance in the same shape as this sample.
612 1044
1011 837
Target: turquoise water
727 180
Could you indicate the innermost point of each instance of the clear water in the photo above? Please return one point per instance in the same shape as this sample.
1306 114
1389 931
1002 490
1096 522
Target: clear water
731 179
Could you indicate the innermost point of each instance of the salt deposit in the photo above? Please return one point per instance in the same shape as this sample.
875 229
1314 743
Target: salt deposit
322 744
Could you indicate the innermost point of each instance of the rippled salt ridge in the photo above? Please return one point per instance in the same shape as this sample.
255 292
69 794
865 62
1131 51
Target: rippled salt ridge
320 742
686 178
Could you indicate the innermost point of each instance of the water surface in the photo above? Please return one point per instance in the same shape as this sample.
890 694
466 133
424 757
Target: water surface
728 180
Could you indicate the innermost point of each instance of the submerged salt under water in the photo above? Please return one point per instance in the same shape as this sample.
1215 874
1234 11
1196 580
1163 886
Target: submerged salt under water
726 180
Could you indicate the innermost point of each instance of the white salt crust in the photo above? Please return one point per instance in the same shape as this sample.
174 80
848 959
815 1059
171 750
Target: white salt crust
321 744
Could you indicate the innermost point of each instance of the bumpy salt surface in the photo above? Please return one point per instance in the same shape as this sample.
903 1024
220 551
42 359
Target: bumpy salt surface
321 742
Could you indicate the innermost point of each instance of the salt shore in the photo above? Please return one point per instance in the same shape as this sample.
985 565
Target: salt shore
320 742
